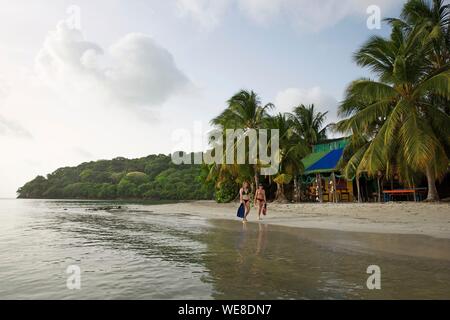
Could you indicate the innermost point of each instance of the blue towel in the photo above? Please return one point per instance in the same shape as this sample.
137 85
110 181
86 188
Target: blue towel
241 211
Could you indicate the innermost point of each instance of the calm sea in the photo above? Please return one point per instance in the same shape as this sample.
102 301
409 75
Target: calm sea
133 253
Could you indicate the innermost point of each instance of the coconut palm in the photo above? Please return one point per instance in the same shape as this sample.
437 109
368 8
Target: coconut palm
395 114
434 15
309 124
245 112
291 152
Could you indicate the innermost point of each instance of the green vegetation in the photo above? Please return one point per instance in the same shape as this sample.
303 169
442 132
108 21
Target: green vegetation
400 122
397 124
154 177
297 132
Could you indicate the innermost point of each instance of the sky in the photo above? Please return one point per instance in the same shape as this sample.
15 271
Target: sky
88 80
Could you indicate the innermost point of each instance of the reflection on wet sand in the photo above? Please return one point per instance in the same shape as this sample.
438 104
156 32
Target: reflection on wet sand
248 261
261 261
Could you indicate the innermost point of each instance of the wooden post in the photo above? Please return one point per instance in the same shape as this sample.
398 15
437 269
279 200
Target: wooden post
319 183
333 176
415 195
379 188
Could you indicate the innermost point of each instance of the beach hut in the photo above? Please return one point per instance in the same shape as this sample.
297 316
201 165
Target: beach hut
322 177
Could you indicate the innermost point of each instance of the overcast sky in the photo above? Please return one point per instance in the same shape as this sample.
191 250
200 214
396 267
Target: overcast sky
110 78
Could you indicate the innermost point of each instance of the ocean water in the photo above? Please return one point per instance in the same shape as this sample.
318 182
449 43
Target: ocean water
134 253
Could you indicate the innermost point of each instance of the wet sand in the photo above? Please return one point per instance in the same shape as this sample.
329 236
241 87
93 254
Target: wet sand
427 219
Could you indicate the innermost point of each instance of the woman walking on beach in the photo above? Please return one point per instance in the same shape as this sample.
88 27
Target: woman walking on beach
244 196
260 200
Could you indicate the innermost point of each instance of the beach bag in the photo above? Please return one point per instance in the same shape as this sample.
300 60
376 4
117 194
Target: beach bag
264 211
241 211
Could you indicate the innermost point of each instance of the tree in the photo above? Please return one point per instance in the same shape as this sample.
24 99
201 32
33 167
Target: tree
309 124
434 16
245 112
395 114
137 178
126 189
118 178
34 188
107 191
291 152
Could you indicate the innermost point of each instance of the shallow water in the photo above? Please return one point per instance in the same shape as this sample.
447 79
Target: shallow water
136 254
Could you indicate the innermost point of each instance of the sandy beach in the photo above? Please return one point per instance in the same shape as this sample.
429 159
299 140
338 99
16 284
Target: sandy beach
428 219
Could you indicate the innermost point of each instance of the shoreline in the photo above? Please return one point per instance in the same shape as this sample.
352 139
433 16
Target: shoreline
426 219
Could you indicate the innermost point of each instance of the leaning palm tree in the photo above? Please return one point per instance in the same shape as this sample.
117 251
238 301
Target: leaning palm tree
223 173
309 124
395 113
245 112
291 152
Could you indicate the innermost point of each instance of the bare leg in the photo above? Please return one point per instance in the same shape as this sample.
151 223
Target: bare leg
244 219
247 210
261 208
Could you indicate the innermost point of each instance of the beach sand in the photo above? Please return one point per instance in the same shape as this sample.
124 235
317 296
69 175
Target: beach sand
430 219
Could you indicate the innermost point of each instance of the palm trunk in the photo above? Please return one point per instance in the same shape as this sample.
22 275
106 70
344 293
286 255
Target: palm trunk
256 177
279 196
432 190
379 189
296 193
358 187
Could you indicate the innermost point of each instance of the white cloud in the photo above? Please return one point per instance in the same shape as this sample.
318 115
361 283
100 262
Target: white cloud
315 16
260 11
13 128
3 89
134 72
304 15
10 127
208 14
76 103
287 99
144 72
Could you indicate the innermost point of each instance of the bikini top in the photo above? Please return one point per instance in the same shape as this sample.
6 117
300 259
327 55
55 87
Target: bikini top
245 193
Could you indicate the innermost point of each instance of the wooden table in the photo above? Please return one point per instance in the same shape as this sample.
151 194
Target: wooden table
389 194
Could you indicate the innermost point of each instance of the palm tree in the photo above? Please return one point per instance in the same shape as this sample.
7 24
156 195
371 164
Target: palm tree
395 115
434 16
309 124
245 112
291 152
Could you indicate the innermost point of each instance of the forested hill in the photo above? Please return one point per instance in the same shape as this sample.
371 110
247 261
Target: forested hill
154 177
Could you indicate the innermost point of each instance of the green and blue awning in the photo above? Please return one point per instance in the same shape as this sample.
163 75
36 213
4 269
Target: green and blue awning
322 162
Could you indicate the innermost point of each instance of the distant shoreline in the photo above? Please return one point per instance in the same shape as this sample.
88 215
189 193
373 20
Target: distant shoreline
427 219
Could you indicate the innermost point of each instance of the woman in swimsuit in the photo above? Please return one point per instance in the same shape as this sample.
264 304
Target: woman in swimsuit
244 196
260 199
